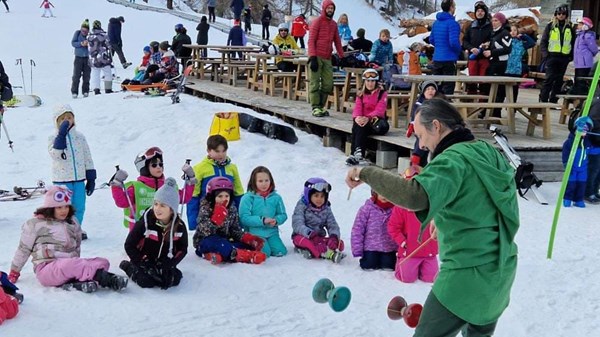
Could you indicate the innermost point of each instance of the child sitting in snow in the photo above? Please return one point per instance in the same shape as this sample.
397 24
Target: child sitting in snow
262 211
315 231
370 238
9 299
218 236
140 193
53 239
158 242
141 69
575 191
404 228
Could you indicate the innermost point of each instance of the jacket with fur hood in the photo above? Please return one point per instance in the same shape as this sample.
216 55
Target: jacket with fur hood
71 163
324 33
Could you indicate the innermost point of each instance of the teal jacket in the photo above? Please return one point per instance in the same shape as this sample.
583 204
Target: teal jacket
254 208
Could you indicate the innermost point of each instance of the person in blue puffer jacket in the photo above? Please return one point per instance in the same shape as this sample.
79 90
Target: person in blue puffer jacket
81 65
262 211
382 51
344 31
445 37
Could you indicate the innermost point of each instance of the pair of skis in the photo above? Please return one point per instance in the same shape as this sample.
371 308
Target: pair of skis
23 193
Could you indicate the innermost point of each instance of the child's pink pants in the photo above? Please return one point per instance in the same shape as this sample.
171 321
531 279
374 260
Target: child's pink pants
63 270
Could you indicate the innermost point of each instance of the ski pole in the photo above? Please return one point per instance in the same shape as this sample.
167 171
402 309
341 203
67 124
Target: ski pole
416 250
20 63
185 179
10 142
31 65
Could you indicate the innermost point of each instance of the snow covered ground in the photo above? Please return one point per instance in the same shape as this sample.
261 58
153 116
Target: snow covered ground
550 298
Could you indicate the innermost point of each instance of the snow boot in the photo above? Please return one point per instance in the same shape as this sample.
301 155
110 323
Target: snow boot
108 87
84 235
305 252
110 280
333 255
74 95
83 286
214 258
126 64
85 94
250 256
96 91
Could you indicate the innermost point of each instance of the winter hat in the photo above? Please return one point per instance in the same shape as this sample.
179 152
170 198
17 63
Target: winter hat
62 109
360 33
57 196
586 21
147 49
481 5
500 17
85 24
97 24
122 19
236 22
164 45
168 194
426 84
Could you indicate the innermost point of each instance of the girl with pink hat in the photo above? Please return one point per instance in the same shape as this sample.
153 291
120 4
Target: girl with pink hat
53 240
583 55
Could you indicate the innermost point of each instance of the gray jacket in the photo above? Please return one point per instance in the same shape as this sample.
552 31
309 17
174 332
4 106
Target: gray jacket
307 219
211 3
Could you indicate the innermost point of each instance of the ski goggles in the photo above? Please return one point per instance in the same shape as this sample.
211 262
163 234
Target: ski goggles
371 76
150 153
319 187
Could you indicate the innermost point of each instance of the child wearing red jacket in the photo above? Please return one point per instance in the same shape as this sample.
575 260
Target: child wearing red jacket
404 228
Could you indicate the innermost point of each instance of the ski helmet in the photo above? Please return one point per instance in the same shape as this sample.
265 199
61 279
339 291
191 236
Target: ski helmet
283 26
481 5
154 45
313 185
370 74
562 8
178 27
218 183
143 159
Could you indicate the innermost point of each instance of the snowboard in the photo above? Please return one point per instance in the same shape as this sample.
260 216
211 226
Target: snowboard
23 101
23 193
271 130
181 85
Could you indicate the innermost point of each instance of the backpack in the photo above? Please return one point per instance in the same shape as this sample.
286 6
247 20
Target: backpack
392 83
525 178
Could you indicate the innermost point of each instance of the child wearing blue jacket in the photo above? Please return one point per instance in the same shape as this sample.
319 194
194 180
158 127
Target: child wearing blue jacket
575 192
262 211
344 31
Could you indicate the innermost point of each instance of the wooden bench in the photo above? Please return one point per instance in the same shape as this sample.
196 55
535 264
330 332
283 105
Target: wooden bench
235 68
565 109
534 110
201 65
397 101
270 79
468 97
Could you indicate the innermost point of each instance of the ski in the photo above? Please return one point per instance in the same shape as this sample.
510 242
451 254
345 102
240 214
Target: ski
23 193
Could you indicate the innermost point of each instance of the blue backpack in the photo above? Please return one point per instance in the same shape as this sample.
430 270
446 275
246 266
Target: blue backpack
392 83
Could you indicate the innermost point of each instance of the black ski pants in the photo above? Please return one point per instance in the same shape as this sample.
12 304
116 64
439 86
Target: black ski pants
265 31
301 38
81 68
445 68
359 137
118 48
555 71
211 14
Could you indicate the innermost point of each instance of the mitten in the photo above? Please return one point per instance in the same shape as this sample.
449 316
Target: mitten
188 171
219 215
60 142
415 160
410 130
314 63
252 241
14 275
119 178
167 273
90 176
333 242
584 124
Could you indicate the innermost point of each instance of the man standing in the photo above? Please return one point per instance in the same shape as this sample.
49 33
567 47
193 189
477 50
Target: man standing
181 38
265 19
556 45
445 37
115 41
478 253
81 65
211 4
248 19
323 33
478 33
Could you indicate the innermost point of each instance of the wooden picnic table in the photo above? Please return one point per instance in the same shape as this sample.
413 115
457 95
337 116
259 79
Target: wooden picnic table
227 53
261 65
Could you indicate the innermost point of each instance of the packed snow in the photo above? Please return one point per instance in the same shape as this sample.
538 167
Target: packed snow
550 298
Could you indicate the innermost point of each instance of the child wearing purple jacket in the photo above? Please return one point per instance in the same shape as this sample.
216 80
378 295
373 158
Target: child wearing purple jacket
583 54
370 238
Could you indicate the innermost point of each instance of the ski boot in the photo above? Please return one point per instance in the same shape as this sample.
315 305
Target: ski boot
110 280
214 258
305 253
250 256
334 255
83 286
398 308
325 292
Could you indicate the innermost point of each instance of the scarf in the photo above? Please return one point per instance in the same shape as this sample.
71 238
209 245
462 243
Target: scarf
265 193
456 136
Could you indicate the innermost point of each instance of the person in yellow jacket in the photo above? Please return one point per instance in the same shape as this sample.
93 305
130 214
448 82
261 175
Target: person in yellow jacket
215 164
557 44
286 45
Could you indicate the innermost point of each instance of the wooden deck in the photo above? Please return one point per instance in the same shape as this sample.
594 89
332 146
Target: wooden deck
335 129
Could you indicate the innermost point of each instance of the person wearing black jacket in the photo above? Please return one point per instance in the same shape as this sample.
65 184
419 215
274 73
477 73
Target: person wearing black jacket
115 41
5 88
202 37
158 242
265 19
478 33
179 40
497 51
360 43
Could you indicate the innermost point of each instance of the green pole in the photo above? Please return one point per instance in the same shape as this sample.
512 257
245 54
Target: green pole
565 179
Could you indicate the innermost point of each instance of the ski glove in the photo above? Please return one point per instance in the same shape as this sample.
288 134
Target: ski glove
219 215
14 275
60 142
188 171
410 130
90 176
333 242
167 273
314 63
253 241
119 178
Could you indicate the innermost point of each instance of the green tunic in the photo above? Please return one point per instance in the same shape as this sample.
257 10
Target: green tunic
470 193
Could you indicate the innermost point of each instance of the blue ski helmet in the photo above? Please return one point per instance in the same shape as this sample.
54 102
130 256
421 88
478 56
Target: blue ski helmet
178 27
313 185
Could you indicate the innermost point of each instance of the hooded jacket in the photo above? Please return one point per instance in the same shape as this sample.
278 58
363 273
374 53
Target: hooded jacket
299 27
369 232
307 218
445 37
404 228
114 31
254 208
230 229
71 163
324 33
585 49
373 104
202 29
177 44
382 52
98 48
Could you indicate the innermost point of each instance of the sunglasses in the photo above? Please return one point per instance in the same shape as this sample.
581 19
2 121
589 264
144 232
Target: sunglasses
561 13
319 187
155 165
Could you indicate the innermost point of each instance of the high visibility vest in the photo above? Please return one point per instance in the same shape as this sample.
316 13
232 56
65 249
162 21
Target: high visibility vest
554 43
144 198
